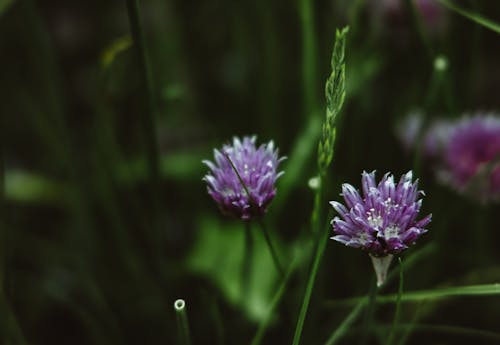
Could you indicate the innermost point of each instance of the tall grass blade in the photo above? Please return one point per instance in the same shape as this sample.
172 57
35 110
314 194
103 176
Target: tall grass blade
475 17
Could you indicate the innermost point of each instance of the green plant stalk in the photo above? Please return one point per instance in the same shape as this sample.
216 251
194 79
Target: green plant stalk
309 58
432 295
272 250
247 260
444 329
259 335
392 333
319 251
335 96
148 117
410 4
339 332
9 327
407 332
478 19
369 312
182 322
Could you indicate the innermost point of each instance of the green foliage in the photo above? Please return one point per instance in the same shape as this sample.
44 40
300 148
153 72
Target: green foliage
217 255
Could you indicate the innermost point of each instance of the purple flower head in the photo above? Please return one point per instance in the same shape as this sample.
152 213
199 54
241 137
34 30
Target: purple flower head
472 156
383 220
257 168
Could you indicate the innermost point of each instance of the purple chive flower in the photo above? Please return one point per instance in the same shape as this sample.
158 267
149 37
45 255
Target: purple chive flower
466 154
472 156
257 168
381 221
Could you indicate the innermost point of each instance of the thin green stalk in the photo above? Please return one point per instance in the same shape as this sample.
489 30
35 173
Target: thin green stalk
369 312
9 327
322 238
445 329
247 259
477 18
272 250
309 59
148 116
420 29
348 321
407 332
398 305
263 326
430 295
182 322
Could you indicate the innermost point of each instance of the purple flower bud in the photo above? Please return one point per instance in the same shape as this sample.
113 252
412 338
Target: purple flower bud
257 168
383 220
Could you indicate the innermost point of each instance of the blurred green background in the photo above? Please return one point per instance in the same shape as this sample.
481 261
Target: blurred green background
95 249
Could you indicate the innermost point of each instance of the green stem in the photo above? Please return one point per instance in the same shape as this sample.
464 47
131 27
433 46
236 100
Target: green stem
247 259
417 20
370 311
320 249
398 305
182 322
148 116
272 250
257 339
348 321
309 76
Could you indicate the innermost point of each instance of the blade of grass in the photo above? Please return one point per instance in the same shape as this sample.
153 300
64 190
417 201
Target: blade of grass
148 121
390 339
430 295
446 329
475 17
309 59
348 321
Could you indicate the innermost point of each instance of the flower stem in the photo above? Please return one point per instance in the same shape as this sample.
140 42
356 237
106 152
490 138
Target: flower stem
319 249
309 81
247 260
370 311
398 305
148 117
257 339
344 326
274 254
182 322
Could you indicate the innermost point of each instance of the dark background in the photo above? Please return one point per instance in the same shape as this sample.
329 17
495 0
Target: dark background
94 251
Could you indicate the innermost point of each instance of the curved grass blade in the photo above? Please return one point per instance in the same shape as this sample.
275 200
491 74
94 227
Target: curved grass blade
348 321
475 17
447 329
431 295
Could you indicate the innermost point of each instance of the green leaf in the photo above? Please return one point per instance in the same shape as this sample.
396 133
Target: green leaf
475 17
218 255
